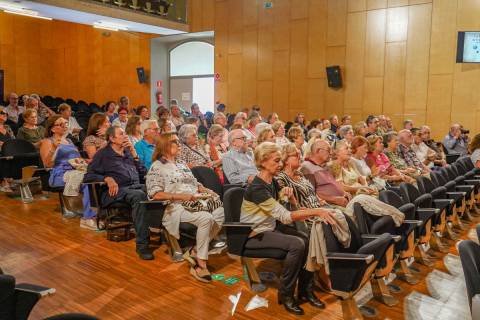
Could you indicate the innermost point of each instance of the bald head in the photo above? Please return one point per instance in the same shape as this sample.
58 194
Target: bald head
405 137
319 151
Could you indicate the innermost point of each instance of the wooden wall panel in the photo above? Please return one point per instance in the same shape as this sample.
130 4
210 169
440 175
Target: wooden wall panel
72 60
298 63
336 20
397 3
418 48
397 24
281 77
334 97
356 5
315 98
439 104
394 81
376 4
373 96
375 43
317 38
249 67
443 47
281 25
235 81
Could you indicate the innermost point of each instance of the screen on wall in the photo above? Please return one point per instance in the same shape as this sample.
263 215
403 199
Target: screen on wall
468 47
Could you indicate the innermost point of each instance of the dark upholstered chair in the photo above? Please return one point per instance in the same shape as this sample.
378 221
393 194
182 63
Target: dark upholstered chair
423 231
209 179
470 257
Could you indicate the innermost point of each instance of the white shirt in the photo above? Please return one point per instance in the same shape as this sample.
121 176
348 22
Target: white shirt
421 150
118 123
13 113
73 124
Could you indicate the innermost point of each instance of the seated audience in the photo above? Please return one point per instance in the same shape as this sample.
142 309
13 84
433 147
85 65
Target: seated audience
252 122
166 126
143 112
272 118
405 139
266 134
190 151
238 163
173 182
176 116
474 149
346 120
122 119
240 118
345 132
314 133
279 129
220 119
196 113
261 207
30 131
58 152
455 142
14 109
382 125
426 155
146 146
95 140
372 125
359 149
133 129
216 149
315 169
301 121
333 123
72 124
119 167
124 102
360 129
345 173
390 142
408 124
110 111
296 136
389 124
440 159
162 113
6 134
43 111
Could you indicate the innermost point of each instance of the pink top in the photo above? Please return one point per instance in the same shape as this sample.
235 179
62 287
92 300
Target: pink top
381 162
322 178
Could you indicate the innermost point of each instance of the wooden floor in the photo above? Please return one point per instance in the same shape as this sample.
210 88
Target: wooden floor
106 279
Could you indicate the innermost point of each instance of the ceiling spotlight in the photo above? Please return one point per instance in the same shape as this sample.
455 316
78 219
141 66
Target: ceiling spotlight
109 26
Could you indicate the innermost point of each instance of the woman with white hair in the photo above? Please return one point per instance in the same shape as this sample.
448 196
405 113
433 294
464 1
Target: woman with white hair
346 133
190 151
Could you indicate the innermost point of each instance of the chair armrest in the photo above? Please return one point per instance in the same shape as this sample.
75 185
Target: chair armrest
456 193
371 237
443 202
6 158
43 170
476 306
29 155
368 258
464 187
238 224
35 289
476 176
417 223
94 183
473 182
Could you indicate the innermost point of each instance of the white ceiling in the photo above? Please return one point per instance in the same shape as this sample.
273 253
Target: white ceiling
59 13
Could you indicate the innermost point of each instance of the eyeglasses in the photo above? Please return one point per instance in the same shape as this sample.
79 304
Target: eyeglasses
3 113
176 141
63 124
241 138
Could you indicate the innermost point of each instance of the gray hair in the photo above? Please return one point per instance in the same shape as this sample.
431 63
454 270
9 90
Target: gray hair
110 133
185 130
146 125
342 131
314 132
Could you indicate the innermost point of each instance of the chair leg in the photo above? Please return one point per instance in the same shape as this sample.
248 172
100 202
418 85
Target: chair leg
62 203
437 244
173 247
422 257
350 309
25 193
382 293
251 275
449 233
405 273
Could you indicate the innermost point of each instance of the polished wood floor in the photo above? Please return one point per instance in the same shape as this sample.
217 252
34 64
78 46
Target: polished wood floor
96 276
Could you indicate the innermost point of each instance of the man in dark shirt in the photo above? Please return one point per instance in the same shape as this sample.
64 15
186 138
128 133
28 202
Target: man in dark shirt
118 166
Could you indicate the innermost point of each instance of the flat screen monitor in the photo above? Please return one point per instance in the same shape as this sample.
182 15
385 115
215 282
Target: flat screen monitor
468 47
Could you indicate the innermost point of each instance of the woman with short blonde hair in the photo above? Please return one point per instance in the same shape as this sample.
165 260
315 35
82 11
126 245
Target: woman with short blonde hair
266 134
279 129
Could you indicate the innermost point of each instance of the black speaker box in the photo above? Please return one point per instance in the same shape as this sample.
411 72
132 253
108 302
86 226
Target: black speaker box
334 77
142 77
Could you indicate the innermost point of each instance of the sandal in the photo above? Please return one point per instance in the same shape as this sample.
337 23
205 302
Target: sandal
202 275
189 258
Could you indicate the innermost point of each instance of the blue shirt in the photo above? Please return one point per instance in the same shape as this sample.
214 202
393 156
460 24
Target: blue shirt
145 152
238 166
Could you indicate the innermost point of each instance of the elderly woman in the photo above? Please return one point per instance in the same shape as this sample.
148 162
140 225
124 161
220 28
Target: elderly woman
346 120
390 141
133 129
166 126
30 131
279 129
296 135
266 134
190 152
110 108
327 133
216 149
314 133
360 129
122 119
272 118
345 132
380 164
143 112
57 153
359 148
174 183
261 207
97 126
345 173
6 134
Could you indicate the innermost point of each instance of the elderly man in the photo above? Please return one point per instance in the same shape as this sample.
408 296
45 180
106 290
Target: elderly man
382 125
455 142
389 124
316 171
408 124
240 118
13 109
176 116
118 166
146 146
436 147
238 163
66 113
405 139
372 125
424 153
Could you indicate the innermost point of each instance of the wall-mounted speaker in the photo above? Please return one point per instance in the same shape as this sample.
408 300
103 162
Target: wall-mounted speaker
334 77
142 77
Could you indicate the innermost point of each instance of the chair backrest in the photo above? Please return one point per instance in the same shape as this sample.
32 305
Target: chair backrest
412 195
470 257
16 147
209 179
459 167
391 198
232 204
438 177
371 224
7 297
333 245
424 184
478 231
467 162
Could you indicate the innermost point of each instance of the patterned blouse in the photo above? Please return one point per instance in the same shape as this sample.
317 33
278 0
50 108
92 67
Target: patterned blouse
192 155
409 156
303 190
96 141
396 160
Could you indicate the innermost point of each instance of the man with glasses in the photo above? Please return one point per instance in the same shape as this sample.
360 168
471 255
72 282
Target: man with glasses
146 146
122 119
117 165
238 163
372 125
13 109
315 169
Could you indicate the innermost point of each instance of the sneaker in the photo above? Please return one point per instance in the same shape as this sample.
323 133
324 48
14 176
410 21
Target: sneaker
69 214
145 254
88 223
6 189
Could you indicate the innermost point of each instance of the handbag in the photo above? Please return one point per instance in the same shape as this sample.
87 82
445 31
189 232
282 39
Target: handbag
208 204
